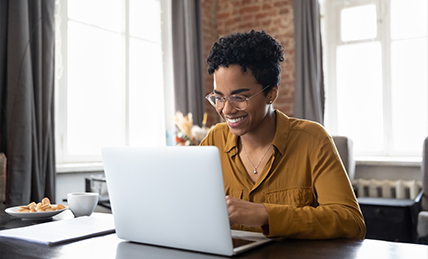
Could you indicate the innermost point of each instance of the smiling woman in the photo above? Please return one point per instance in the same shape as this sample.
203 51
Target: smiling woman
282 176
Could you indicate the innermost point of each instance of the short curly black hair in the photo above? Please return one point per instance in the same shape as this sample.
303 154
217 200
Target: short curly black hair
255 50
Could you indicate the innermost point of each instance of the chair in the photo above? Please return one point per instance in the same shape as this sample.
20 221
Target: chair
2 178
345 147
422 225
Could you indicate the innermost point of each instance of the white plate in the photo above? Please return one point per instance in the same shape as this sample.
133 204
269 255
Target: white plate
13 211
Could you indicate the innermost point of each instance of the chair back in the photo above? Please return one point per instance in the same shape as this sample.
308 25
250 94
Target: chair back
424 171
345 147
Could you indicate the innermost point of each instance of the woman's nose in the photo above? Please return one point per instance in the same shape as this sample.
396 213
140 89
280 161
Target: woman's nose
228 108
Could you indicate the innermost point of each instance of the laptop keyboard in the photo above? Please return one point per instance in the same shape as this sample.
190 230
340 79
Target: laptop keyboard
237 242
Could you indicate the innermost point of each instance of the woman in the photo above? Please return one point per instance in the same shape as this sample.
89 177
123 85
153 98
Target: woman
282 176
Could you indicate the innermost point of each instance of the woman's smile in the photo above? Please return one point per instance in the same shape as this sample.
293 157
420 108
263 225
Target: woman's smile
236 121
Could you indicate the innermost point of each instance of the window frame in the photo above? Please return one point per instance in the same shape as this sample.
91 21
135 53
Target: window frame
331 26
62 156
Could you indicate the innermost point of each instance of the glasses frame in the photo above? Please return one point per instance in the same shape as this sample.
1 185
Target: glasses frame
231 103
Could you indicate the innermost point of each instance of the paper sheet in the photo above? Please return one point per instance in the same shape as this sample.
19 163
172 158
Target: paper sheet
64 230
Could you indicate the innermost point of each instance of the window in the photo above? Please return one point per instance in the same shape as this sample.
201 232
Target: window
376 74
112 60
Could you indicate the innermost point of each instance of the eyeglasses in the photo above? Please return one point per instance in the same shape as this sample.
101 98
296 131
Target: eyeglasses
238 101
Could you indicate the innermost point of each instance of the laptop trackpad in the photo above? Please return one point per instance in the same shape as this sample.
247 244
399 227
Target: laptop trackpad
244 240
237 242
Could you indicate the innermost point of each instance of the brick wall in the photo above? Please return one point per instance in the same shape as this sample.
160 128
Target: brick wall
223 17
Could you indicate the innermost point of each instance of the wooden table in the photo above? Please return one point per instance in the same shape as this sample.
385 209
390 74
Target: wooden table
110 246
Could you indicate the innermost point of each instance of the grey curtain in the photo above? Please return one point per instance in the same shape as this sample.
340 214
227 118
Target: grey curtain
187 56
27 98
309 93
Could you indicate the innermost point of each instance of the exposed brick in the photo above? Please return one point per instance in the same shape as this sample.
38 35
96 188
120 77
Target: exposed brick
242 2
279 4
266 23
250 9
284 11
223 17
266 6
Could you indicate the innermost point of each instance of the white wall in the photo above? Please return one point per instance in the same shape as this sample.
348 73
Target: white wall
388 172
75 181
72 182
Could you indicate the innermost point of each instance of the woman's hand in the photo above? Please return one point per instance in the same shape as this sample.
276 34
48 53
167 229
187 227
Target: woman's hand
246 213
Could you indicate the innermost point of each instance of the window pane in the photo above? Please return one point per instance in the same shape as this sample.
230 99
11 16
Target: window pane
358 23
108 14
409 94
145 19
95 89
146 95
359 95
408 18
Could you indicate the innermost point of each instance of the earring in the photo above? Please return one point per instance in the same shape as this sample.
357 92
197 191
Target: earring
270 102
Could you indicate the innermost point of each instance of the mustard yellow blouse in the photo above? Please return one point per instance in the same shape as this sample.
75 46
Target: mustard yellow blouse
304 185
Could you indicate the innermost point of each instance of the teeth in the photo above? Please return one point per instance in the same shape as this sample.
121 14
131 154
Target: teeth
235 120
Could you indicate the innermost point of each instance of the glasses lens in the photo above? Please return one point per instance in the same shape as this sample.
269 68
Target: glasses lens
238 101
215 101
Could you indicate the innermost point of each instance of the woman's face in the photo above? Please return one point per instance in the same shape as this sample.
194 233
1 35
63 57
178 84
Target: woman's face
231 80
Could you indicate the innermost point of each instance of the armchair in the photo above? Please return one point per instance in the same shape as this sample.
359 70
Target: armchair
345 147
422 225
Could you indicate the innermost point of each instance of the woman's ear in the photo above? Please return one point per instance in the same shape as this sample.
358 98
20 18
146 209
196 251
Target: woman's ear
273 94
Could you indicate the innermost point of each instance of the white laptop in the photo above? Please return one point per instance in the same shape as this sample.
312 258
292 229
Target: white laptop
172 197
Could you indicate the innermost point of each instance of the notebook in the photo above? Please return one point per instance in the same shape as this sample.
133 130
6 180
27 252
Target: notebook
172 197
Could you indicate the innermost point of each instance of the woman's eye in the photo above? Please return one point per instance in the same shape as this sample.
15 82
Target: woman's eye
236 98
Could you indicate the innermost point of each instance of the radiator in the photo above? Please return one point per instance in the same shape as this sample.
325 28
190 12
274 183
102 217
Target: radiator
396 189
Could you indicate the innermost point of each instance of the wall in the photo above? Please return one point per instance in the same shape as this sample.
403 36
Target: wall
75 181
388 171
223 17
72 182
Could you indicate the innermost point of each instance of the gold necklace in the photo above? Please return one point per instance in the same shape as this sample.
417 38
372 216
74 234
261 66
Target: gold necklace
255 167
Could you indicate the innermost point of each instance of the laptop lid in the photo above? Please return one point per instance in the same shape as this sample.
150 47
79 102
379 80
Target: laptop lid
169 196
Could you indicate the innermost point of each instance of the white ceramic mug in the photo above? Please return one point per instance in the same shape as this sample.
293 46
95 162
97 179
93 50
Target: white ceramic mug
82 203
